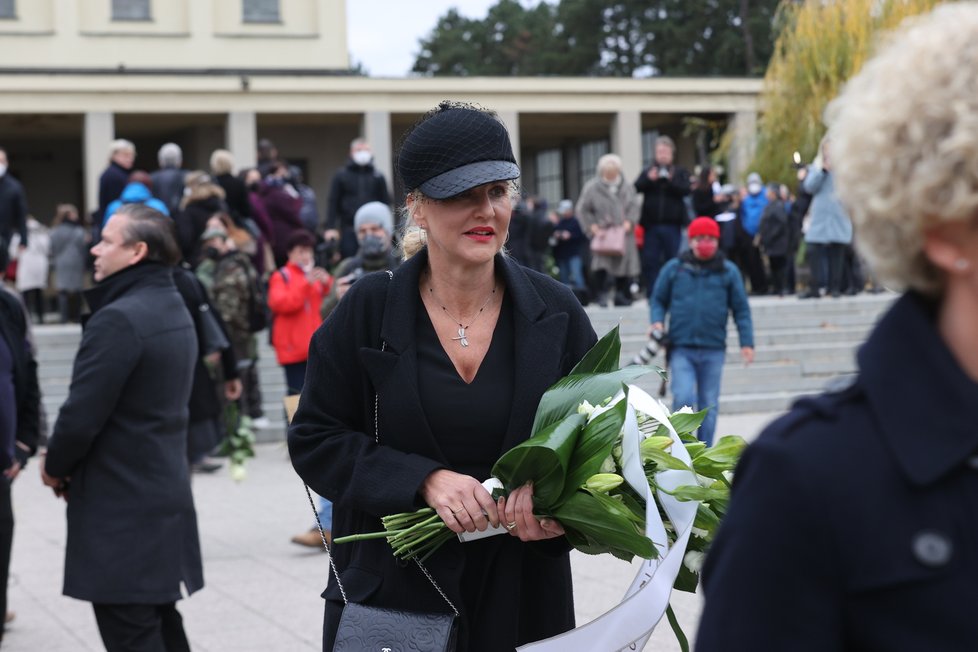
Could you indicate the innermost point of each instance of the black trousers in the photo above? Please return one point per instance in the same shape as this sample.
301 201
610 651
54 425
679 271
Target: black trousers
141 627
6 539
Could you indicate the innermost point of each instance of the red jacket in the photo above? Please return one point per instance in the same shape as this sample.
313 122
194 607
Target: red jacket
294 302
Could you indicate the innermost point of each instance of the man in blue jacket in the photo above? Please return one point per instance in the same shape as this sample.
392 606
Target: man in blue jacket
698 290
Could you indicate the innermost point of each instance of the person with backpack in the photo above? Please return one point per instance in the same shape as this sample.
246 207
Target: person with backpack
295 292
698 290
232 283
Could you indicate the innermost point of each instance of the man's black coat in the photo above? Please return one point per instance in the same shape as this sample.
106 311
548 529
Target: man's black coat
13 329
352 187
121 437
331 442
13 210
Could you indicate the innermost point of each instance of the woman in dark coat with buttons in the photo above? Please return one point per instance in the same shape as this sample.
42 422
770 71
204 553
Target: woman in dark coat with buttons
456 348
854 518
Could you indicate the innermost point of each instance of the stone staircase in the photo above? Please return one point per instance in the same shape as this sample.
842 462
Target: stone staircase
801 346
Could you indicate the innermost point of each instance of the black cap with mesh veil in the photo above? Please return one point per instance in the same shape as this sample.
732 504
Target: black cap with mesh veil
453 148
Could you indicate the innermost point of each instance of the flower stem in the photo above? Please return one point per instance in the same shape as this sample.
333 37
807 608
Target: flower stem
677 630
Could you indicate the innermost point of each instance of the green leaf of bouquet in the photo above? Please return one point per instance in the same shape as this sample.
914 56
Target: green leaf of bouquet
593 447
727 451
569 392
663 460
686 580
685 423
696 492
603 357
603 519
544 459
706 519
694 448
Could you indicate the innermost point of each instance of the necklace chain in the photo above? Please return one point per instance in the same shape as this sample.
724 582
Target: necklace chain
462 337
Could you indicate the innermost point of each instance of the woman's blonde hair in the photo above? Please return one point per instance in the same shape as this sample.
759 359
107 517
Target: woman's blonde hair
222 162
904 142
200 186
412 237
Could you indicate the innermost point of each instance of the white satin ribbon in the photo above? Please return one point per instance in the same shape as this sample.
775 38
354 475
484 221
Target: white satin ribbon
629 625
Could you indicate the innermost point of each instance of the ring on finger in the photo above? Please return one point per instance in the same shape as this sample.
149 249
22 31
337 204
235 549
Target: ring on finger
460 508
511 525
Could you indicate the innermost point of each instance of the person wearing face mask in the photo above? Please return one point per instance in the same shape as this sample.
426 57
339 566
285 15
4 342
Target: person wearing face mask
355 184
698 290
751 208
295 292
374 224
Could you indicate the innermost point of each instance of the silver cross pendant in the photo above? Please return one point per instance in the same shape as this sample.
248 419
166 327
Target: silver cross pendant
461 339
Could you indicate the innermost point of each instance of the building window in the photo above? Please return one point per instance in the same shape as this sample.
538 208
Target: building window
550 176
131 10
648 148
260 11
7 9
590 153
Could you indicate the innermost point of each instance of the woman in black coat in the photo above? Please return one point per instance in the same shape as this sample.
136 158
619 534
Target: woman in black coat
454 351
854 519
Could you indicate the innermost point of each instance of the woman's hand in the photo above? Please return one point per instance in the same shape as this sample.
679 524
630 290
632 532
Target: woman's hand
461 501
517 514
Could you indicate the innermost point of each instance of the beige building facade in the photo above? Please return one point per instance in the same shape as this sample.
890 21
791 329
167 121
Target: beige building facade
225 73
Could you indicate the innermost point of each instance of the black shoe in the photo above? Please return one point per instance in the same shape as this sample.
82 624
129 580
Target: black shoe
810 295
205 467
621 300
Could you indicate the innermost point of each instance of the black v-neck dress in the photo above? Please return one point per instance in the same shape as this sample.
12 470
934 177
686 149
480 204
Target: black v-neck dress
469 421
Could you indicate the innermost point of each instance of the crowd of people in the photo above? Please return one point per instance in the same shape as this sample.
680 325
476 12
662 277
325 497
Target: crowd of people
249 253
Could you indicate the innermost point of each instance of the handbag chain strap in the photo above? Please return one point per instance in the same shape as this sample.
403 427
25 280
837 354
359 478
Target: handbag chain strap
322 533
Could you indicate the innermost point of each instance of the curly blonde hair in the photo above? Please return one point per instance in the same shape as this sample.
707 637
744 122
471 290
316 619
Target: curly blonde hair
905 142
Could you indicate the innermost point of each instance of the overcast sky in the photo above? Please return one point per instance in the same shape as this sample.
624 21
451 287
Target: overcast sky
383 34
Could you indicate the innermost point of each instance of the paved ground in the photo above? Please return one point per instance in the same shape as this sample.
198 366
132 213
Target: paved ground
262 592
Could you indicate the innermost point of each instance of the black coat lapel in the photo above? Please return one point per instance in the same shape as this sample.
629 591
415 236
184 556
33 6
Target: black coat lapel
393 372
539 348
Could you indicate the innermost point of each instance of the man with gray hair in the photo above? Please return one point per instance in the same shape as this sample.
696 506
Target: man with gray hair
355 184
168 181
119 446
122 155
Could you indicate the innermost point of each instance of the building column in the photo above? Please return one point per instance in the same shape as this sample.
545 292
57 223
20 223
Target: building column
512 121
98 134
626 141
242 138
377 133
743 127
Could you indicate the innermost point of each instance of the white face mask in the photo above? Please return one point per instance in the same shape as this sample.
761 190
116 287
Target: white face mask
3 169
362 157
753 188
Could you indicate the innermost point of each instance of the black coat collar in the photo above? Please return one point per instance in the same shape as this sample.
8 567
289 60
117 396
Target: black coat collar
923 400
112 287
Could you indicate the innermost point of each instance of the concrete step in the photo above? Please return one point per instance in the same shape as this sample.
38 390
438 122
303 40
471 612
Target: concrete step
800 347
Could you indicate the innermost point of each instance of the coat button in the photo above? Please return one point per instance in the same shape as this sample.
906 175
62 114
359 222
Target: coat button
932 549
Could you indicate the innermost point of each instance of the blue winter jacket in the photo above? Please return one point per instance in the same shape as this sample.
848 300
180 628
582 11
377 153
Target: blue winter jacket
699 296
135 193
751 209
